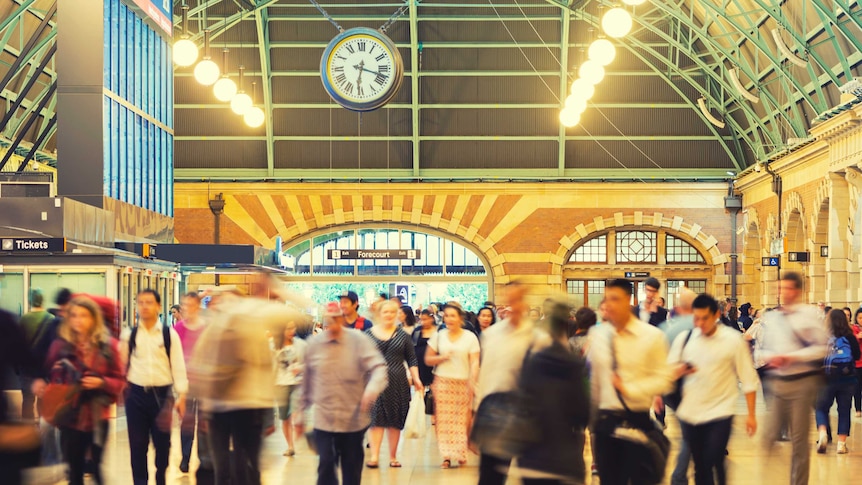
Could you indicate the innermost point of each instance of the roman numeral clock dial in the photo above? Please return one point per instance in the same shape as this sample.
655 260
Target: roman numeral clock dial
361 69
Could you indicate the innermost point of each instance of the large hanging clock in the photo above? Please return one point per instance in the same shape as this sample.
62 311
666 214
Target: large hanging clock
361 69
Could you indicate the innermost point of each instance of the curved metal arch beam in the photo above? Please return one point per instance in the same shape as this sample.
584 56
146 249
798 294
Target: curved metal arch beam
261 20
845 6
826 14
22 8
776 64
737 158
231 21
803 41
750 115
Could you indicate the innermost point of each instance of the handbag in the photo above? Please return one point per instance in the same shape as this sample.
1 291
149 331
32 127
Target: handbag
505 424
429 402
674 399
415 427
60 403
651 437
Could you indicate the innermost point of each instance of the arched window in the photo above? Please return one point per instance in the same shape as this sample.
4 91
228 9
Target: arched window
637 247
679 251
434 255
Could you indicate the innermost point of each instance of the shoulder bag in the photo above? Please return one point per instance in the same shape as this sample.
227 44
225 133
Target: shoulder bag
651 437
505 425
429 394
674 399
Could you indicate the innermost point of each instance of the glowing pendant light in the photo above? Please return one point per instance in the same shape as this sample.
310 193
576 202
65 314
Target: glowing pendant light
185 51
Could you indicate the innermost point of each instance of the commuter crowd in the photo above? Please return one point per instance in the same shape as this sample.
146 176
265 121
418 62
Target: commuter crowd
510 383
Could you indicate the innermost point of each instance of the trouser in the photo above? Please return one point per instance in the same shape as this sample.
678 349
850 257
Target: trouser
28 399
843 394
344 449
493 470
75 445
244 429
192 424
857 393
790 404
683 458
708 442
620 460
147 417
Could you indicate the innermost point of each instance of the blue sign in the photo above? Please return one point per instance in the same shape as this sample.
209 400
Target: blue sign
771 261
159 11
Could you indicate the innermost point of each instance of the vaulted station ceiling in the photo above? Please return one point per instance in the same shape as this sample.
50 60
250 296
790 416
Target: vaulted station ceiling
485 81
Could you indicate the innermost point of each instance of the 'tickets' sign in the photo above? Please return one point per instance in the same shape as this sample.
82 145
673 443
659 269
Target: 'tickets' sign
33 245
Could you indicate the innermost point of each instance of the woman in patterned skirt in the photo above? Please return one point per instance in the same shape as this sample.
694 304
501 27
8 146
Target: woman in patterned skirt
390 410
455 353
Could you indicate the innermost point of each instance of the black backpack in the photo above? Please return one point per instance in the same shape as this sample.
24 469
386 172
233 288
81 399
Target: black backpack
166 335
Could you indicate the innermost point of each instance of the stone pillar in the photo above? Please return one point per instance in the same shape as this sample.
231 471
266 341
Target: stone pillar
840 227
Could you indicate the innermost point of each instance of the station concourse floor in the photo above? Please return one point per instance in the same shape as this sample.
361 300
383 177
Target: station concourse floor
747 463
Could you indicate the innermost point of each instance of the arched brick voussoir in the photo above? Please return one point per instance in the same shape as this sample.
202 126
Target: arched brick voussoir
691 231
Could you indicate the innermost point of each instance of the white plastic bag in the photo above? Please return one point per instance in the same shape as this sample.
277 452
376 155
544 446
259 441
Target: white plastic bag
415 426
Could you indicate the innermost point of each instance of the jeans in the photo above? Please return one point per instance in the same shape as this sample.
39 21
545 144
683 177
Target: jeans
145 419
841 392
680 473
344 449
708 442
243 428
493 470
790 404
190 426
857 393
75 446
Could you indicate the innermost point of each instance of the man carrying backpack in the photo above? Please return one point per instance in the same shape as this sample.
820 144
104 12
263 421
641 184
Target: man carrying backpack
155 371
349 303
840 369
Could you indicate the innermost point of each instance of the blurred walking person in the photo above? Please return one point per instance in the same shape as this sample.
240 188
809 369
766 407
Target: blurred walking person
289 364
40 330
189 329
794 345
232 375
454 354
344 376
841 381
504 347
157 386
554 380
85 349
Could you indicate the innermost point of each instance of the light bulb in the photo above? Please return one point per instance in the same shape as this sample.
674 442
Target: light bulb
576 104
617 22
207 72
591 72
241 103
633 2
569 118
254 117
225 89
602 51
583 90
185 52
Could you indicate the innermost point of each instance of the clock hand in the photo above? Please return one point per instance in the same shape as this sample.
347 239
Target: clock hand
360 67
368 70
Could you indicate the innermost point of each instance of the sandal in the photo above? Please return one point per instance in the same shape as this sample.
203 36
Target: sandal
372 464
394 464
462 462
446 464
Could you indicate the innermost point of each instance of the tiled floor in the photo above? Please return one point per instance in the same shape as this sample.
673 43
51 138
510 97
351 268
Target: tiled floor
747 463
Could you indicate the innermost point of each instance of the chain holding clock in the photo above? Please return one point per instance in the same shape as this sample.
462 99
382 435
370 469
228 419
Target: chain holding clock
361 68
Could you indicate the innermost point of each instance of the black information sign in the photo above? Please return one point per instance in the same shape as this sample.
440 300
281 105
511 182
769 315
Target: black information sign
770 261
637 274
798 257
373 253
33 244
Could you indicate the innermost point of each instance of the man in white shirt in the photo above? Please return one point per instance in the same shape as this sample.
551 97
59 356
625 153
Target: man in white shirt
713 360
628 363
794 346
504 346
154 374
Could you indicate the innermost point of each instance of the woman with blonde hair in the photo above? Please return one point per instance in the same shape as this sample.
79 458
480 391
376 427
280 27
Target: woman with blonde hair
89 357
454 354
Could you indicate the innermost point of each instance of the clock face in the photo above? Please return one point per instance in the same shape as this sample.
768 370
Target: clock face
362 70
